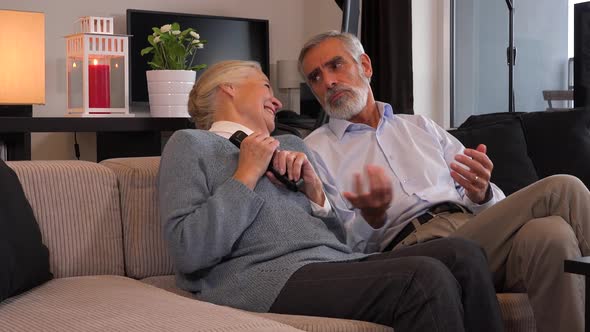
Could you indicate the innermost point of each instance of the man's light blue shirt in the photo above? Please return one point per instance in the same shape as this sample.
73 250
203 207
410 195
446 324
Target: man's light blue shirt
416 154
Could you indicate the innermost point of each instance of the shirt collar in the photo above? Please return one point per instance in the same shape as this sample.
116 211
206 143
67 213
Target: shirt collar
339 126
228 128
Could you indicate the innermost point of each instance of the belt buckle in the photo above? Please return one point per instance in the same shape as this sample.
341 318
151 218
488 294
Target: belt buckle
433 214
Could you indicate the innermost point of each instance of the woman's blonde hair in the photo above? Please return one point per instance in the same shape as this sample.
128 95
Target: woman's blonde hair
202 97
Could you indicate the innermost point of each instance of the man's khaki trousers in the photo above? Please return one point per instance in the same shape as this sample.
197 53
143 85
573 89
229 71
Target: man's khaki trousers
527 237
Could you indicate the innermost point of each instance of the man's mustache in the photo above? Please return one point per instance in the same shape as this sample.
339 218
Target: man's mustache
335 90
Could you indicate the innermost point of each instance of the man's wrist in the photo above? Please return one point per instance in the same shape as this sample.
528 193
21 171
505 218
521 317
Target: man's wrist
488 196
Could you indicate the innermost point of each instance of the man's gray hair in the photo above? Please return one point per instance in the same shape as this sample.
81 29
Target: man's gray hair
351 43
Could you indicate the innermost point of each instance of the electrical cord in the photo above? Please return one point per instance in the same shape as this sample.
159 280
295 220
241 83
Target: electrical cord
76 146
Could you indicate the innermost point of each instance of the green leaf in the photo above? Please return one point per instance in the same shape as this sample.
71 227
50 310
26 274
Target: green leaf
146 50
186 32
198 67
155 65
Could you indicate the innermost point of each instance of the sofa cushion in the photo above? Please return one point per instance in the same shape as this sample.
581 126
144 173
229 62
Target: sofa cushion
167 283
325 324
112 303
146 253
306 323
506 147
559 142
77 206
517 313
24 259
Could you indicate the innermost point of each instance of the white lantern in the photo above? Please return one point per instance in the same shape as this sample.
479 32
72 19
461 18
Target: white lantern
97 70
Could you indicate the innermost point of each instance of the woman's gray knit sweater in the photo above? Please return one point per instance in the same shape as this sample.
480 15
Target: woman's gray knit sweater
230 245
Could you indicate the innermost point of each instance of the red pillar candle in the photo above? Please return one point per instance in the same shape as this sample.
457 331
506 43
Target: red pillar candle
99 91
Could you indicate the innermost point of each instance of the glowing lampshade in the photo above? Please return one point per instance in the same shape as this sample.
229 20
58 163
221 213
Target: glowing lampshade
22 57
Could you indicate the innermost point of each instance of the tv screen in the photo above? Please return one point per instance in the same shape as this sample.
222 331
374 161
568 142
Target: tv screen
228 38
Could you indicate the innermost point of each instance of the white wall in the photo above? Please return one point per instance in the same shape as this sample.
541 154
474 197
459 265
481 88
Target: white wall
290 23
320 16
431 59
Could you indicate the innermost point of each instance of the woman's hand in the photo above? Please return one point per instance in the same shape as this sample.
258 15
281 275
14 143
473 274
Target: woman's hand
296 166
256 152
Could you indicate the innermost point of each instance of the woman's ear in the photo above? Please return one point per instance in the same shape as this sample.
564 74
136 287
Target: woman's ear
228 88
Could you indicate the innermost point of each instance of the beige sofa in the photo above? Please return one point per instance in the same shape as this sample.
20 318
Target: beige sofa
100 223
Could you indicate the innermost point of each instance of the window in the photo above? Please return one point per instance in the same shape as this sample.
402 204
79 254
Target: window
480 41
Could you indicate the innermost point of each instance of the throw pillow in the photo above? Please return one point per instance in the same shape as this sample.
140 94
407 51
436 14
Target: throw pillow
559 142
506 147
24 259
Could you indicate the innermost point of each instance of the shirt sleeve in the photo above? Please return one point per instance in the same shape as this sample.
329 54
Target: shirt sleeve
451 147
321 211
201 223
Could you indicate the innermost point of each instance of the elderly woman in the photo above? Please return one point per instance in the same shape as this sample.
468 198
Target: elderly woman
240 238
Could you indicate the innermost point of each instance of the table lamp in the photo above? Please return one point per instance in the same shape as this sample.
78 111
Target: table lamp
288 77
22 78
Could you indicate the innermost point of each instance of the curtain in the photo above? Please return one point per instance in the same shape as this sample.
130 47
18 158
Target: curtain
386 34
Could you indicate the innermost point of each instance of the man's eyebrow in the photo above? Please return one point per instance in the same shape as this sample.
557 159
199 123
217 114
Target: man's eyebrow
334 60
328 63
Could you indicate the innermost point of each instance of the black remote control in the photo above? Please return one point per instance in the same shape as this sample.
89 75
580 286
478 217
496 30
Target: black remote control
237 139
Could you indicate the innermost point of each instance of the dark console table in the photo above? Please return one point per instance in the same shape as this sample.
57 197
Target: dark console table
115 137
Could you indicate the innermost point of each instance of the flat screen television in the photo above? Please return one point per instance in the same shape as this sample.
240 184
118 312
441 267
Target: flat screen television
228 38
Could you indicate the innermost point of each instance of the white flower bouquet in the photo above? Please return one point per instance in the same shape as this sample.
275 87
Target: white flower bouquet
174 49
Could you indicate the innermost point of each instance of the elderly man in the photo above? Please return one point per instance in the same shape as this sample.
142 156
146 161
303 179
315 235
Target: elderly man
397 180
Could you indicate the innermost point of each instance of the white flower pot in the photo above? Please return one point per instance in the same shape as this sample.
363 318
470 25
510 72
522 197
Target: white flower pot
168 91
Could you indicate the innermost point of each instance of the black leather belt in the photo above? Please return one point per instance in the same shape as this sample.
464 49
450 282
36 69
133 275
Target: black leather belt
447 207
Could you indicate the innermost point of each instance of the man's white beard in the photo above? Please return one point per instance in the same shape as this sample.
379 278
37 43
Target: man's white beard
349 104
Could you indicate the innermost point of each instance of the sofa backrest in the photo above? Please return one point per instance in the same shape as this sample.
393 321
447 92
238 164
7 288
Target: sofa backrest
76 204
553 142
559 142
506 146
146 253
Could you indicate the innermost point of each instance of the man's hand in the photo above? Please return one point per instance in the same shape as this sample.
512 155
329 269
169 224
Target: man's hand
373 204
296 166
255 153
476 177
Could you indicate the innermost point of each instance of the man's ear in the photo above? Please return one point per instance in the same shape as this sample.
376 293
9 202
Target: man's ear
367 67
228 88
